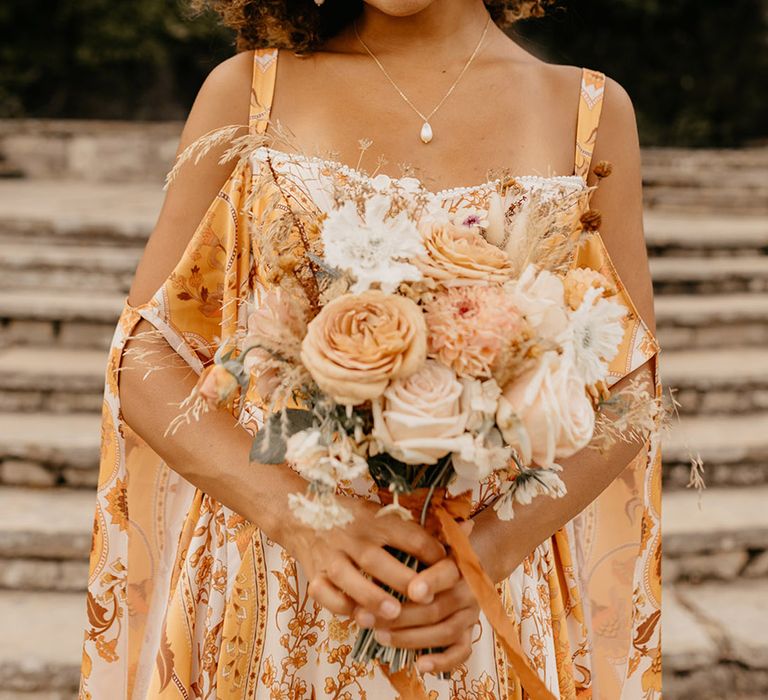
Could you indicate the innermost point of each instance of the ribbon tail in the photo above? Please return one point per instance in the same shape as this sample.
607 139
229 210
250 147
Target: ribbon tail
407 684
490 603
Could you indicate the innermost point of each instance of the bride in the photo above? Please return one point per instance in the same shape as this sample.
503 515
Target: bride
202 584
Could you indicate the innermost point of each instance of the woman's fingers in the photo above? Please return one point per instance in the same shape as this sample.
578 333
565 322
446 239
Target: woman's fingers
411 538
439 577
343 574
447 660
443 634
330 597
382 566
442 606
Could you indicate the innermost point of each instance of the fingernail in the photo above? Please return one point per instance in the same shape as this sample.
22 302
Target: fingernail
383 637
420 592
365 619
425 665
389 609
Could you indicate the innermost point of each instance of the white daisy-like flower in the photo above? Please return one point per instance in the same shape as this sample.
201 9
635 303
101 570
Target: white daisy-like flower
478 458
321 464
374 247
320 511
595 332
526 486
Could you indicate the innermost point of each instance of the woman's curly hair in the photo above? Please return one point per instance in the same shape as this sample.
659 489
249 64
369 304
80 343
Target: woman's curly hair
302 26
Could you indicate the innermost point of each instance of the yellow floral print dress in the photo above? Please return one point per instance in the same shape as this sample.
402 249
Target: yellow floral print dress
187 599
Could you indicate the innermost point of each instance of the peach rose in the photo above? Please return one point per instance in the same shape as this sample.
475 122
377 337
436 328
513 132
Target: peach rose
459 253
359 342
216 385
546 414
419 419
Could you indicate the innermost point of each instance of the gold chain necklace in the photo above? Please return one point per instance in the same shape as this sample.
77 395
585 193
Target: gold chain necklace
426 133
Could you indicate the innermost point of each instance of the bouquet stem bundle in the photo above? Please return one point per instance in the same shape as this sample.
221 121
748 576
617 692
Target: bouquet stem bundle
428 479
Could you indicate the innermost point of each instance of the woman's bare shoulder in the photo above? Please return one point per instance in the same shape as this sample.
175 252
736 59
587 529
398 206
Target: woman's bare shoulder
224 97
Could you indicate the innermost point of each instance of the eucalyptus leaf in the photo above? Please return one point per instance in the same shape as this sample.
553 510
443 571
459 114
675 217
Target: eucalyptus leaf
270 442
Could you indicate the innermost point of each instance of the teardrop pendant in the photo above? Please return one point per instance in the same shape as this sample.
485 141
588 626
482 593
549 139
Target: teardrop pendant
426 133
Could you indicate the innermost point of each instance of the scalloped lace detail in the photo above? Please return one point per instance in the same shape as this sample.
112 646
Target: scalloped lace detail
529 181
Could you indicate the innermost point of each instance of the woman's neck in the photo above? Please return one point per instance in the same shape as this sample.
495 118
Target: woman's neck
443 28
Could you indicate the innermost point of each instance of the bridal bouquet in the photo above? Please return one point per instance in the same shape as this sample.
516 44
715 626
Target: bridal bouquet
427 352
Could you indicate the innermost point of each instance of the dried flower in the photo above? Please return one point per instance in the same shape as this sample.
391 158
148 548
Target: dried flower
320 511
603 169
528 484
591 220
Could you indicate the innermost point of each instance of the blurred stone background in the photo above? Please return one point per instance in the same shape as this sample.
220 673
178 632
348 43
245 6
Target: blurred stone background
91 94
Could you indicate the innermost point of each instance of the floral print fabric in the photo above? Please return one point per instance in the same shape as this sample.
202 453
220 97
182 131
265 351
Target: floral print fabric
186 599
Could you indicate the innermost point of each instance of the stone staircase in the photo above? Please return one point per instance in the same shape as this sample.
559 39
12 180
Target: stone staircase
68 249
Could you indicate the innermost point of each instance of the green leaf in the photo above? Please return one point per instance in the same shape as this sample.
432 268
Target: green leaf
269 443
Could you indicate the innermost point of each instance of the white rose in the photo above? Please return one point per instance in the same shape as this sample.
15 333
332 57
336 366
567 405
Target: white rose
419 419
540 297
546 414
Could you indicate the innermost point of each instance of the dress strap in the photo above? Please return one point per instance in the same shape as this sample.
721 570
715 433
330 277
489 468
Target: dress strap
590 107
262 89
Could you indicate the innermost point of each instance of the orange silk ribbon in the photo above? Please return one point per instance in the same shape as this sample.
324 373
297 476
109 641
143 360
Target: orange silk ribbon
442 515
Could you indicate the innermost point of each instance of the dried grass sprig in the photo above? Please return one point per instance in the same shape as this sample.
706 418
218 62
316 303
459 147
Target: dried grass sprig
201 147
628 415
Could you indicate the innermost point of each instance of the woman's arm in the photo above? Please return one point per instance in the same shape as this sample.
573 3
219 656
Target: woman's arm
213 454
503 545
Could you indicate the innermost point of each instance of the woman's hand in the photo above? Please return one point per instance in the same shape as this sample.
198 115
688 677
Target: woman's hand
336 562
441 612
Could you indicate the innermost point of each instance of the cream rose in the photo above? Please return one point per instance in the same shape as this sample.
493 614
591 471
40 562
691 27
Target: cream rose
456 254
419 419
540 297
359 342
546 414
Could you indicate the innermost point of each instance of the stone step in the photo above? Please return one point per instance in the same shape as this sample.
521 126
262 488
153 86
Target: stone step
47 450
40 659
734 449
64 319
67 267
719 533
697 198
82 319
712 320
726 380
720 275
54 380
705 235
715 640
119 214
64 380
56 211
74 267
45 538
